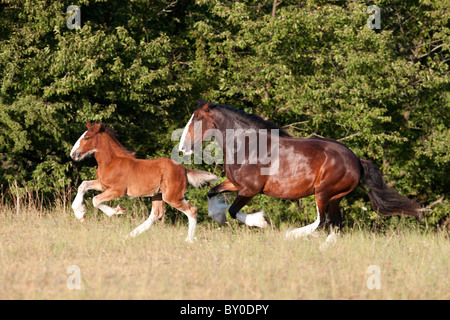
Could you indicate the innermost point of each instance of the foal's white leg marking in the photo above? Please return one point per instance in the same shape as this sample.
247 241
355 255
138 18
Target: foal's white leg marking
144 226
183 137
77 205
217 210
77 144
106 209
306 230
192 226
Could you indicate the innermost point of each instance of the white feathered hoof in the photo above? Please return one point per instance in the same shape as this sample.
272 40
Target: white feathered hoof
79 211
217 210
220 218
256 219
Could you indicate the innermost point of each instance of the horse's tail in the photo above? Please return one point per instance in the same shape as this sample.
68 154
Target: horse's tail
383 198
198 178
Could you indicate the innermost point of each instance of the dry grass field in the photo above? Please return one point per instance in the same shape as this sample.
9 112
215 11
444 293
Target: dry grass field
38 249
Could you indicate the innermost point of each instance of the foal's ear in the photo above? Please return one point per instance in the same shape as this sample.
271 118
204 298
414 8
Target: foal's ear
98 127
101 127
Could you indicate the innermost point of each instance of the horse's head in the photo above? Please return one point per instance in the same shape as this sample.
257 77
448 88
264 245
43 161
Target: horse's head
87 143
194 132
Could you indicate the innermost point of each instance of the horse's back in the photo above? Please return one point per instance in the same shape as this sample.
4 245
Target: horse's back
306 165
320 151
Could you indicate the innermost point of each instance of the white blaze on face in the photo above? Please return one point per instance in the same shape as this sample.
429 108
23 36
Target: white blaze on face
77 145
186 149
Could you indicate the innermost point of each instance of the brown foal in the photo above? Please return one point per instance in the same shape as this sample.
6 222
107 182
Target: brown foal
120 174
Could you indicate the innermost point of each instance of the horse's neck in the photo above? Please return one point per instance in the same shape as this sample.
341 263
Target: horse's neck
106 152
223 125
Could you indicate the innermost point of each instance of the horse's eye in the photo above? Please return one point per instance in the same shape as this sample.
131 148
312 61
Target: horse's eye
86 138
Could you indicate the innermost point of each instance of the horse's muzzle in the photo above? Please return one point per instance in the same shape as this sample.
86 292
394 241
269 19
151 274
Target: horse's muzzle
186 152
76 155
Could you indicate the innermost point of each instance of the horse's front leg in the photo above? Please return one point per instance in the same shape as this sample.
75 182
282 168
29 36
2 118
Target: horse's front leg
78 207
216 209
106 196
225 186
253 219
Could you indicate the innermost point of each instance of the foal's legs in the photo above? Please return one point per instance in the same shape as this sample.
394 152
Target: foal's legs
106 196
157 213
78 207
190 211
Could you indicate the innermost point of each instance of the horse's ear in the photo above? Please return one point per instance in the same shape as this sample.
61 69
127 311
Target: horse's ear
206 106
201 103
88 125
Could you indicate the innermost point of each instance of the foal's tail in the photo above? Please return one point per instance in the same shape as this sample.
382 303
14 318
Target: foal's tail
198 178
384 199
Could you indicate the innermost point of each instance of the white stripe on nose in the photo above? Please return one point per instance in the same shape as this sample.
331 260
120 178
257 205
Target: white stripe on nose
77 145
182 146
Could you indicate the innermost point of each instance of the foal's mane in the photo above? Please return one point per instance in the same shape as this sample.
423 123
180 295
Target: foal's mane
112 134
250 120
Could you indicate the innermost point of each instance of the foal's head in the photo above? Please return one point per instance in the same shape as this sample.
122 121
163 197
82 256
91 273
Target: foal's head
87 143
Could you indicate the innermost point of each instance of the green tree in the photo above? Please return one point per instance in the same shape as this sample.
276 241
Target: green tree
312 66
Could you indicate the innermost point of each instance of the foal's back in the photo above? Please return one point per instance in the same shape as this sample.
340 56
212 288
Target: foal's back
144 177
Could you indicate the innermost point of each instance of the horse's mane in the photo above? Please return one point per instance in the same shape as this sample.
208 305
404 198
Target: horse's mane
251 120
112 134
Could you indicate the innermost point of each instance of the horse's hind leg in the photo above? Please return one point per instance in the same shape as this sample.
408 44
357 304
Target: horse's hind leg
78 207
334 217
334 221
156 213
307 230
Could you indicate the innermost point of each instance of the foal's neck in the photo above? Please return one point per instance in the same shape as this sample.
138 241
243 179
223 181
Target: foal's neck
107 150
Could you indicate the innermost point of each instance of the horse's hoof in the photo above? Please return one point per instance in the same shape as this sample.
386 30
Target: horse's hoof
120 209
190 240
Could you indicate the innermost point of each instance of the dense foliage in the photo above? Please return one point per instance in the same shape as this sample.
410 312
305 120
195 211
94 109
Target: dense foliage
312 66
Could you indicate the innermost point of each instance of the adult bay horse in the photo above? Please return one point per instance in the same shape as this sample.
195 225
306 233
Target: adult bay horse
120 174
321 167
